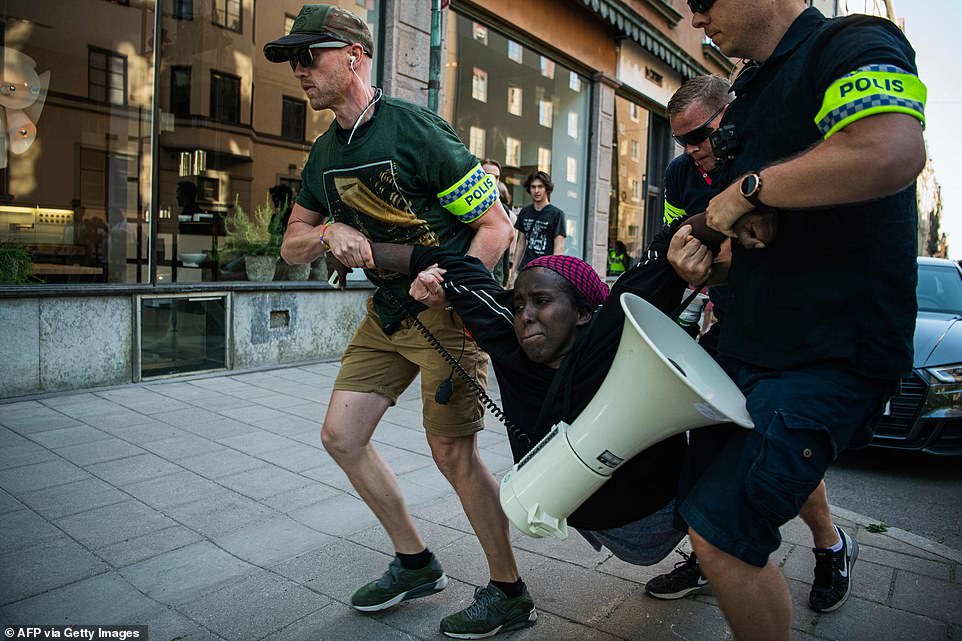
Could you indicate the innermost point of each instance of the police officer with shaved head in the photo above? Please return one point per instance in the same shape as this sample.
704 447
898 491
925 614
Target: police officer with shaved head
820 149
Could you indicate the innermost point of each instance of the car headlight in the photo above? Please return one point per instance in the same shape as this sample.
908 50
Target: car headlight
944 398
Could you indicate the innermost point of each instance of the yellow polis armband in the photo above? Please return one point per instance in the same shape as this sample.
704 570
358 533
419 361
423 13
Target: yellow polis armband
672 212
471 196
867 91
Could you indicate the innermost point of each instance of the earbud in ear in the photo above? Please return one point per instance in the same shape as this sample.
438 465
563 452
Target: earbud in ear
353 60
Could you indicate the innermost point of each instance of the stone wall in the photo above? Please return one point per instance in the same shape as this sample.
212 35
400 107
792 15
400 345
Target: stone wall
54 344
76 342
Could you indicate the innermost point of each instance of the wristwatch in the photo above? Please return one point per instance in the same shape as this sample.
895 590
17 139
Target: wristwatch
751 187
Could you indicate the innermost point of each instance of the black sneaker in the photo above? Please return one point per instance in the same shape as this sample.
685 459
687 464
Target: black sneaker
833 575
398 584
491 613
683 580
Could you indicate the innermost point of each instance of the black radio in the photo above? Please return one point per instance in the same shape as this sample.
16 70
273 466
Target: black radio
724 143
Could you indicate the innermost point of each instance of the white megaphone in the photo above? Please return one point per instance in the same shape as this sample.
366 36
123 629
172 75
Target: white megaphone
680 387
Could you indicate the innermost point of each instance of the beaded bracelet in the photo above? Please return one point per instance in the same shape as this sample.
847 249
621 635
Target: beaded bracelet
324 243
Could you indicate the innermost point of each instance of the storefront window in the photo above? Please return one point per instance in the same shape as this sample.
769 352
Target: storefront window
78 198
529 112
243 140
637 176
626 223
74 166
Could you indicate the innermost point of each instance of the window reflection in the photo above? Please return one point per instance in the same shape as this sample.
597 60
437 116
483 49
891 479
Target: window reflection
534 117
76 172
627 220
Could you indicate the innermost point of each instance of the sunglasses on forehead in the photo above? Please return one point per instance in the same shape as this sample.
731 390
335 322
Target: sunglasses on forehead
305 57
699 134
700 6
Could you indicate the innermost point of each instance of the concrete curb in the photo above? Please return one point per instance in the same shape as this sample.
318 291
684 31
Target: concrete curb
900 535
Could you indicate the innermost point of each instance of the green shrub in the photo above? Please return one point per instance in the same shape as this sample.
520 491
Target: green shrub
16 264
258 233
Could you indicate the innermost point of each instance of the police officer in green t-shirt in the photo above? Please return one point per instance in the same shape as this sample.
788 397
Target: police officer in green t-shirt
387 170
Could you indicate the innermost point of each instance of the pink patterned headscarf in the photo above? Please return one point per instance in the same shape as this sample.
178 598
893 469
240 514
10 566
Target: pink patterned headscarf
576 271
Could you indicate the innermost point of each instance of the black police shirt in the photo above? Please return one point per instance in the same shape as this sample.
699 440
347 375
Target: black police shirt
837 283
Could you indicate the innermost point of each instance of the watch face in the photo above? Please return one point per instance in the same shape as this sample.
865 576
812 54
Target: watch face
749 185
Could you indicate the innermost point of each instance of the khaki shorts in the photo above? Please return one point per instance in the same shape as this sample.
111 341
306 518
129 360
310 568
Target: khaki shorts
386 365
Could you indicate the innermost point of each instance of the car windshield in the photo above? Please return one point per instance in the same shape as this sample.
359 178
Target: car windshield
940 289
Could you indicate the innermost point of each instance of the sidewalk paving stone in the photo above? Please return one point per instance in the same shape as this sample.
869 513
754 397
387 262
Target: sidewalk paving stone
188 416
226 520
222 462
173 626
71 498
140 548
42 420
46 566
296 458
131 470
116 416
271 541
220 513
300 497
262 482
37 476
219 429
25 453
110 449
9 504
339 623
178 488
105 599
24 528
144 431
69 436
257 442
928 596
181 446
186 574
236 611
102 526
255 412
936 569
340 515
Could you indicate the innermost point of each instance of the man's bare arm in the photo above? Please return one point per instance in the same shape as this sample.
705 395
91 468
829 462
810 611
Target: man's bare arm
302 239
492 235
870 158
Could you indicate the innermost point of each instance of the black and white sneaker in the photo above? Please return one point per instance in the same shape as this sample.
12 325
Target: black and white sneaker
683 580
833 575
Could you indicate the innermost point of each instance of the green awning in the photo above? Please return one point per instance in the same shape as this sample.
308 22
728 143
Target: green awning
641 31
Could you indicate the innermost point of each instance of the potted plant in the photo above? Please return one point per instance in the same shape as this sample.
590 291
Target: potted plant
16 264
255 236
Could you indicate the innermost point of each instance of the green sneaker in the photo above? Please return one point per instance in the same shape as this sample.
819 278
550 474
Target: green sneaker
491 613
398 584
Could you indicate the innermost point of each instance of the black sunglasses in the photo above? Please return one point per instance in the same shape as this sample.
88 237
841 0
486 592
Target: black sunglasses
700 6
305 57
699 134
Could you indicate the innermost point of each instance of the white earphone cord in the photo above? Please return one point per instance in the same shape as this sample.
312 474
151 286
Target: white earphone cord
371 103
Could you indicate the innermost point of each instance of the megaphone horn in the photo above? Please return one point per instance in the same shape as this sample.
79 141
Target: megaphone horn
683 389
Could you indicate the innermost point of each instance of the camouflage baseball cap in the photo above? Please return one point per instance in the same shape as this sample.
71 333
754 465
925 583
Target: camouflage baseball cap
317 23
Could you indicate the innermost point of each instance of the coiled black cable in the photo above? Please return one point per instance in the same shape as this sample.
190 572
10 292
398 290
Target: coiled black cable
469 380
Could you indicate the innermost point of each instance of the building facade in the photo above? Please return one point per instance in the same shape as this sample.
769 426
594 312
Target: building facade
135 129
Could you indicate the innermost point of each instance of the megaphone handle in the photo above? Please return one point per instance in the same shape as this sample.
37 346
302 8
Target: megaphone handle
685 303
